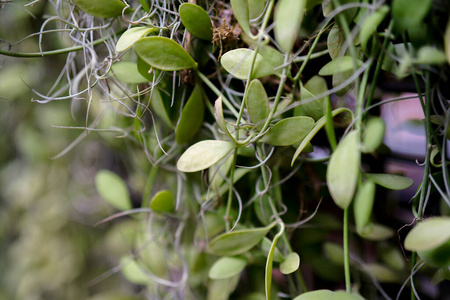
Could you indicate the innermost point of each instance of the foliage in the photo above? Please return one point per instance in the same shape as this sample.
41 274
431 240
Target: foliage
240 117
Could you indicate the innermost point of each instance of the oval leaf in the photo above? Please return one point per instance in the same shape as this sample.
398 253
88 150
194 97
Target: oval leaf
428 234
290 264
203 155
163 202
382 273
374 135
287 18
289 131
191 118
113 189
158 105
343 170
328 295
101 8
335 40
196 20
238 62
238 242
132 271
163 53
363 204
370 25
130 36
390 181
376 232
241 13
127 72
257 102
339 65
227 267
314 107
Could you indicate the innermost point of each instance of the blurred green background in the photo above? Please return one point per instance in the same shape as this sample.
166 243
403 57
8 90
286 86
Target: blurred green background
50 248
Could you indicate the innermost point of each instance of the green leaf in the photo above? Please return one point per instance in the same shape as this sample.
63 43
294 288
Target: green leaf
390 181
101 8
145 5
146 70
129 37
203 155
319 124
272 57
241 13
287 18
374 134
363 205
220 289
343 170
127 72
334 252
328 295
113 189
266 245
290 264
376 232
269 263
428 234
257 102
335 40
196 20
132 271
392 256
371 24
218 114
217 173
157 103
163 53
163 202
191 118
447 41
289 131
238 242
227 267
409 13
256 8
382 273
429 55
315 107
339 65
237 62
438 257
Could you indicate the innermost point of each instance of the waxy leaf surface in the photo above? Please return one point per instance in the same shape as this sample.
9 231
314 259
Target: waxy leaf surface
113 189
196 20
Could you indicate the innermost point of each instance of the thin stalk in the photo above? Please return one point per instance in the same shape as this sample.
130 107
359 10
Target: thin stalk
348 283
54 52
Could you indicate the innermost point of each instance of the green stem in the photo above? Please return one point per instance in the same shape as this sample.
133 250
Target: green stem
54 52
348 283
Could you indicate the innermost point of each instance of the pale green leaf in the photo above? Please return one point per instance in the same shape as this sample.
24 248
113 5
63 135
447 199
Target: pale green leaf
159 106
343 170
220 289
290 264
163 202
132 35
288 17
132 271
242 14
203 155
429 55
363 205
428 234
328 295
256 8
127 72
392 256
238 242
339 65
447 41
376 232
390 181
101 8
289 131
257 102
371 24
163 53
113 189
196 20
334 252
266 245
374 134
315 107
382 273
227 267
191 118
238 62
